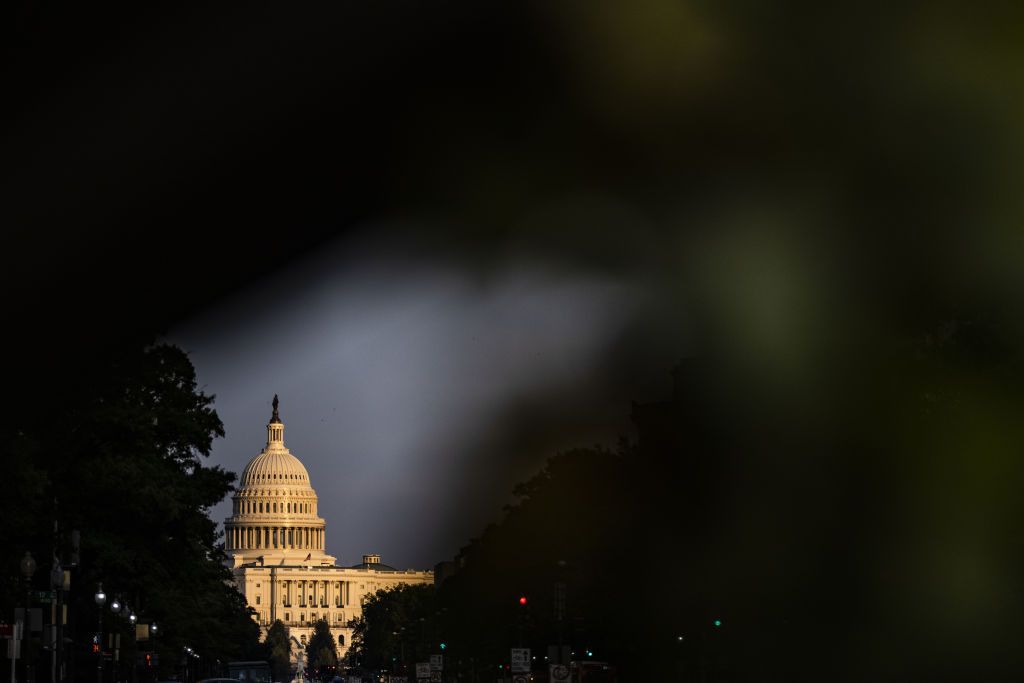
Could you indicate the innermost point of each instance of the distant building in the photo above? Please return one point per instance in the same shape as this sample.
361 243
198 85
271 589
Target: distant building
276 545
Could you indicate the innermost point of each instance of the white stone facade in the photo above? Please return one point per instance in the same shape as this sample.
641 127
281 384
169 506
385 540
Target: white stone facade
276 544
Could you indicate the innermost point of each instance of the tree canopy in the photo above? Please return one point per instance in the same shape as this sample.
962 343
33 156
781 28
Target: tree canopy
321 651
118 455
397 628
278 650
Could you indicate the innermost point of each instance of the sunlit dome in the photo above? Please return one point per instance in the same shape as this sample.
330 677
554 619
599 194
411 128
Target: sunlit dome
275 466
274 511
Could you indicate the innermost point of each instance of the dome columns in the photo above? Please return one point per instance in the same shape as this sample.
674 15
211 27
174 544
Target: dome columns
274 537
245 535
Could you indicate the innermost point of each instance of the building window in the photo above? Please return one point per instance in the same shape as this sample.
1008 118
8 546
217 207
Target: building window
302 616
287 616
257 599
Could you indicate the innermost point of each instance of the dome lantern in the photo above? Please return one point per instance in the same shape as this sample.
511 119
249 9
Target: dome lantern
275 428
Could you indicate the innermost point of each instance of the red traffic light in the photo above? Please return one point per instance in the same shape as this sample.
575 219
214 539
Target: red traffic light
522 600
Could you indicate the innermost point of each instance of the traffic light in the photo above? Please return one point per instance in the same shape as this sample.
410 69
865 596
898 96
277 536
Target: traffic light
522 600
444 645
717 623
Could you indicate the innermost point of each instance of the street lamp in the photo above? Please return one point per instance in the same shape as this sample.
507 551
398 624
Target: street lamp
130 616
115 605
101 599
28 568
57 651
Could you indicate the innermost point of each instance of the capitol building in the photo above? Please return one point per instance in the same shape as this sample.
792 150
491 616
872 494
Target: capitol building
277 550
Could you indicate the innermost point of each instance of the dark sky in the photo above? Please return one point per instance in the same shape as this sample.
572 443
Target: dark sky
402 382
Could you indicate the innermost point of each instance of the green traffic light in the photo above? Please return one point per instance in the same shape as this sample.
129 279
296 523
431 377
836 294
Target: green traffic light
443 646
718 622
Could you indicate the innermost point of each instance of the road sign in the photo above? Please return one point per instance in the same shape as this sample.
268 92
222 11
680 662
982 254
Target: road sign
558 673
436 662
423 670
520 660
44 597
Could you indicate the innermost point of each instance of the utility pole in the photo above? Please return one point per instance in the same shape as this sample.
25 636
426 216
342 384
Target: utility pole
57 605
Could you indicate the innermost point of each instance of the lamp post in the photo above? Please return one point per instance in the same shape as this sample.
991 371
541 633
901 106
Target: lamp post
101 599
117 607
131 627
28 568
57 647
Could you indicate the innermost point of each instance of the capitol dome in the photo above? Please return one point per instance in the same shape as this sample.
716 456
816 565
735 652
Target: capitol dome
274 512
275 468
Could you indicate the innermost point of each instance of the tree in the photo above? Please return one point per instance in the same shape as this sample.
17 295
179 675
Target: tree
278 651
397 626
322 651
118 454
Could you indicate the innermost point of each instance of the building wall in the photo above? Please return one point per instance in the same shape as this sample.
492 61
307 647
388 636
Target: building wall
300 595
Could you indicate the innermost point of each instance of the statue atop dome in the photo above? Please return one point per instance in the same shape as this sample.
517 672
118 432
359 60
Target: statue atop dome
275 418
